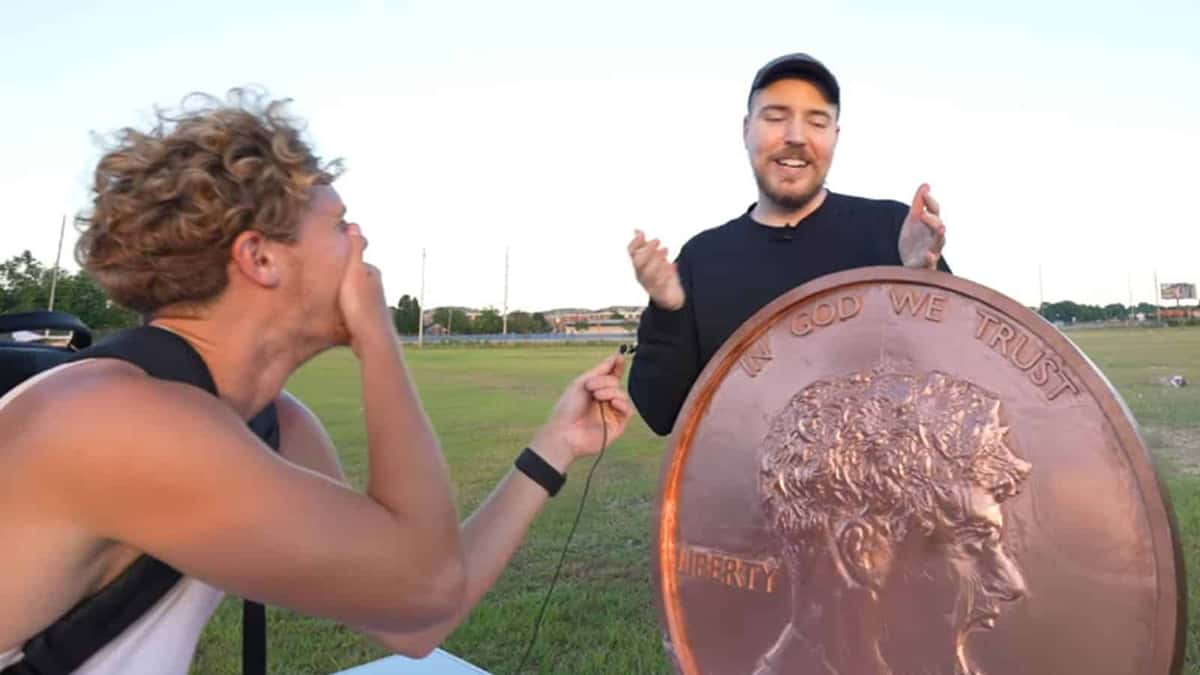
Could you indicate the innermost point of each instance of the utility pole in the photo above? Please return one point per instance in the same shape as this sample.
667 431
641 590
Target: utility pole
1129 284
504 320
1157 309
421 306
54 275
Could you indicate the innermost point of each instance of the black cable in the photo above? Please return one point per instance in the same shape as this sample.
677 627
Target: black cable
541 613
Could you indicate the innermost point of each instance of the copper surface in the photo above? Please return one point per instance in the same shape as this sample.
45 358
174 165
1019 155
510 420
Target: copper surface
900 471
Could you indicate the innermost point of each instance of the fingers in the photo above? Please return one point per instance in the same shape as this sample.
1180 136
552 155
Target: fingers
608 394
616 398
918 202
647 253
639 238
358 242
932 204
643 251
934 222
623 407
594 384
613 365
656 271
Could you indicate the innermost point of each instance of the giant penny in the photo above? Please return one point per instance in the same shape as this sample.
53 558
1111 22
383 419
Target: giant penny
899 471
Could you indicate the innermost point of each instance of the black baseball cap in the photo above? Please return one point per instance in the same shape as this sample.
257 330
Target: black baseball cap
799 66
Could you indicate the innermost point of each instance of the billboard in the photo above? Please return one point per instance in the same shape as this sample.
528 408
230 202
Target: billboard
1178 291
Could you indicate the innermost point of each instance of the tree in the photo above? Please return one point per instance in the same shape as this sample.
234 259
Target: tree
24 284
488 322
520 322
1071 312
452 319
616 315
1115 311
540 324
25 287
407 315
80 295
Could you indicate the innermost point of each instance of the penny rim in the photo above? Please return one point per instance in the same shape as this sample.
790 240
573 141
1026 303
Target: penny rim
1170 607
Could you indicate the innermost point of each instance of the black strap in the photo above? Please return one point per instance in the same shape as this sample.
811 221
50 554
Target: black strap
67 643
97 620
254 616
539 471
254 638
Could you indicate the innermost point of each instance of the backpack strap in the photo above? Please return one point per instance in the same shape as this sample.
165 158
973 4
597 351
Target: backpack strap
265 425
71 640
97 620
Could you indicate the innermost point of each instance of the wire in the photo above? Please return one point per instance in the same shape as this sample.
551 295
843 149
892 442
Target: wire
541 613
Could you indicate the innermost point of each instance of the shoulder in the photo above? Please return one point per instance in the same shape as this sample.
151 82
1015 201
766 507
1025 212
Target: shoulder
880 210
104 396
106 412
94 428
712 240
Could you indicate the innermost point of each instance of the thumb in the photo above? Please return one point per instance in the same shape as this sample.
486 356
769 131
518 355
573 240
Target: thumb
618 366
918 202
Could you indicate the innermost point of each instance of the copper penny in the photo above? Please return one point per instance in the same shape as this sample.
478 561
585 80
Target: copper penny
893 471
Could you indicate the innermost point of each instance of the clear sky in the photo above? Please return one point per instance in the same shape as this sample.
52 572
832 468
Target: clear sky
1059 135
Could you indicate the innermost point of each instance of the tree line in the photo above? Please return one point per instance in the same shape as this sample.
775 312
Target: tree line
1066 311
489 322
25 285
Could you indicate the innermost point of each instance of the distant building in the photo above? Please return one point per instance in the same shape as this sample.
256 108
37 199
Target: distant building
616 319
1180 312
601 327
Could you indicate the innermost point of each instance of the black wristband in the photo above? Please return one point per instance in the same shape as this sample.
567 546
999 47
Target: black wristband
539 471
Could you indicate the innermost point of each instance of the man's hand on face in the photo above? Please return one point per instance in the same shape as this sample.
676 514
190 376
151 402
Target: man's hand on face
360 297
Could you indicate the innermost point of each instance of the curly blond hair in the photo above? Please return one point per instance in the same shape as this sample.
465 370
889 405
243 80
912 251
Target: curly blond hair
168 203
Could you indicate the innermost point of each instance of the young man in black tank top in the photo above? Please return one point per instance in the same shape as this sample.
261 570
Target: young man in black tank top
224 227
795 232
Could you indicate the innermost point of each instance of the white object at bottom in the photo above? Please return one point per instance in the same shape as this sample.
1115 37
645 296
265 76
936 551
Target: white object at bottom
438 662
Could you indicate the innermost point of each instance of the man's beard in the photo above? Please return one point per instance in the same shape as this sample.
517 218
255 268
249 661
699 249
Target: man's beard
787 201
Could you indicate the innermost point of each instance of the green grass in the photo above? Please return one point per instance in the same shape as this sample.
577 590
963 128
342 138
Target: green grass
485 403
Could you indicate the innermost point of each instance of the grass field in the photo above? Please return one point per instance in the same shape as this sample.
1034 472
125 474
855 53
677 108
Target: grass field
486 403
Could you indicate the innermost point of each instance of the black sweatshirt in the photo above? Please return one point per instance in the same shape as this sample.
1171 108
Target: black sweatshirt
732 271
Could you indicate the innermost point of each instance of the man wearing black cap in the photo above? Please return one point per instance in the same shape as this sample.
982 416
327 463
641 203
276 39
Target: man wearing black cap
795 232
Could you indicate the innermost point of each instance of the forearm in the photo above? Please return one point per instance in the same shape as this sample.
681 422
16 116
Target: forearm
408 474
664 367
490 538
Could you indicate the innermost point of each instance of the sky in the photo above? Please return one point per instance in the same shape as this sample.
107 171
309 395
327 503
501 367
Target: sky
1059 137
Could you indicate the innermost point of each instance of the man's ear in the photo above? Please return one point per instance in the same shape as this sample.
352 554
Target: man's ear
865 554
255 259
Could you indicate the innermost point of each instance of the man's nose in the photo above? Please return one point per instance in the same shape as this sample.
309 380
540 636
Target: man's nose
796 133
